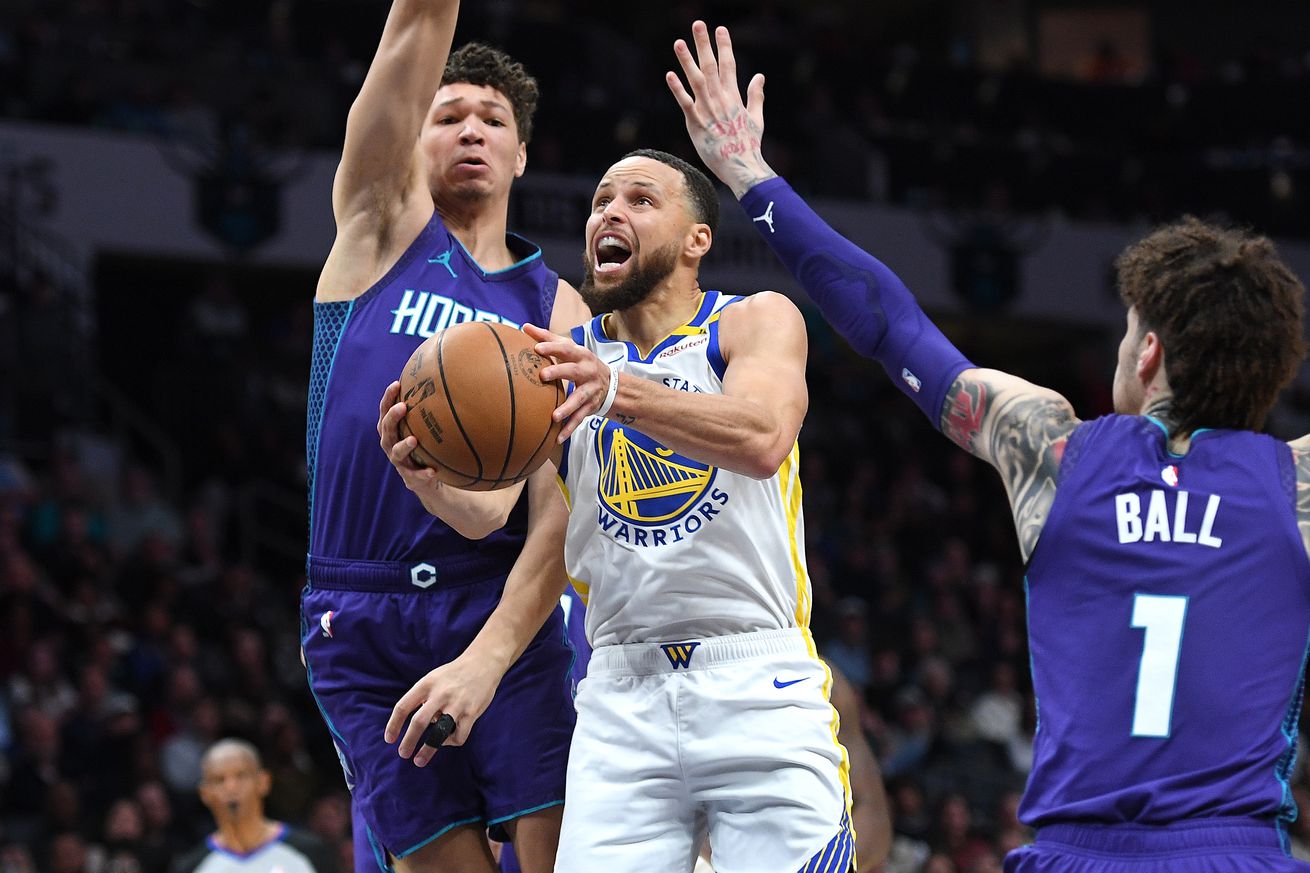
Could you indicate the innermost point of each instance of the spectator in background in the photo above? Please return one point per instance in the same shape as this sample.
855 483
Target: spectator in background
233 786
142 513
850 650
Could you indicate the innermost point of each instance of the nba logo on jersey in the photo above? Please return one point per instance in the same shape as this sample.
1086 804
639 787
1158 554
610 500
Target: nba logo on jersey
679 654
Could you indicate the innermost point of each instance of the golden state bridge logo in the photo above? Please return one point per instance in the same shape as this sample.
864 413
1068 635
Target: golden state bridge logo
651 495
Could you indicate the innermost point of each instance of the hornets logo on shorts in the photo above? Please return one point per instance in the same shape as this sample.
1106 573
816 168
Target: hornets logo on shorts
641 481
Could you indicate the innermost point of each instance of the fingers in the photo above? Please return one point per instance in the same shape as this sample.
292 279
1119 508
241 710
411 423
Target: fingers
571 422
540 334
389 398
700 34
755 99
685 103
689 69
434 737
412 699
727 61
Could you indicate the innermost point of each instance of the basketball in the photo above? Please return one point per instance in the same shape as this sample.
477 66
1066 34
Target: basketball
477 407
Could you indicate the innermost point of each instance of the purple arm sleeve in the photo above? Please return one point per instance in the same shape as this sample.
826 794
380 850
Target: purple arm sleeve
860 297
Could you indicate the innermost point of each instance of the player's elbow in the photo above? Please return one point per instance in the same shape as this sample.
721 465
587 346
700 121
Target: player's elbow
477 524
765 458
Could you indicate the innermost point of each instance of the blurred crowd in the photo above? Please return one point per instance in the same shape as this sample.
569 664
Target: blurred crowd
887 104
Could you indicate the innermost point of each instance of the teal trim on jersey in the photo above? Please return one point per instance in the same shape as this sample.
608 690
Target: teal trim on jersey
486 274
1160 424
523 812
1032 671
327 720
414 848
330 310
1291 728
378 855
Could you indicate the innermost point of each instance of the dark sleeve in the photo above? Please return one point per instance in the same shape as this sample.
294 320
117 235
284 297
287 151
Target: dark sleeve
191 860
320 855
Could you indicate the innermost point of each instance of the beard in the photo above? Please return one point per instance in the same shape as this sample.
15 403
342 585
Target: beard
632 290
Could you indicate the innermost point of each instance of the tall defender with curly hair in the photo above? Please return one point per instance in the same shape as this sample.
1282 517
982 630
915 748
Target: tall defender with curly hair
421 201
1168 579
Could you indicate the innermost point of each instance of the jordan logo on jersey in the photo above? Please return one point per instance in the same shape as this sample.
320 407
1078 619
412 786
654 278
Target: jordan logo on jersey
444 260
679 654
649 494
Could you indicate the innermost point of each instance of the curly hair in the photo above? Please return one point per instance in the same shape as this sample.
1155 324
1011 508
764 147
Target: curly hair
1228 314
478 64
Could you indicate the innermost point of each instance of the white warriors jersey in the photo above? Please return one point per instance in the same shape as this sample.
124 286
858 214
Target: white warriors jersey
662 546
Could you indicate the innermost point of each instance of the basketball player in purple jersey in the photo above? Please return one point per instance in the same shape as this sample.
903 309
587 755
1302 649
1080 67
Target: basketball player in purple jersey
420 201
1168 581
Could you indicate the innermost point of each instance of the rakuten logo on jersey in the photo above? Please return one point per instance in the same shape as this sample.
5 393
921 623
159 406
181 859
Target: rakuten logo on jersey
695 342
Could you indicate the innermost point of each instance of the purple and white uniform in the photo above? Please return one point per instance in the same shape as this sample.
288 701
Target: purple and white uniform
1169 616
392 592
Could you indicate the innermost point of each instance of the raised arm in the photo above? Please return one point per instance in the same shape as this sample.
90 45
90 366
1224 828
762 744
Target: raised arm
377 166
750 428
1017 427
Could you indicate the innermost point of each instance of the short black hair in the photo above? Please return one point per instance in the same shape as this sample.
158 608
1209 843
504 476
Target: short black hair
702 197
480 64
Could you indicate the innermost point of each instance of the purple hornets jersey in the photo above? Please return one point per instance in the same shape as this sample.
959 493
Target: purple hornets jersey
1168 612
360 510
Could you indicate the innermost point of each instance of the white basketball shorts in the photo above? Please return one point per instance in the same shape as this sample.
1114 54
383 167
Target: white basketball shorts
732 735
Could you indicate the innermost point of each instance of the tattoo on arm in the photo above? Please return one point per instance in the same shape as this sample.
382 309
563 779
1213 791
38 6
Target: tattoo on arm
962 416
1023 435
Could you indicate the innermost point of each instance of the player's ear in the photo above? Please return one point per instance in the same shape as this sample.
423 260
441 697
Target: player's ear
1150 356
699 240
521 160
264 783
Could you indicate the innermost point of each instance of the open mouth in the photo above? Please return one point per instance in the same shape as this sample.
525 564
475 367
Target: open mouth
612 253
472 162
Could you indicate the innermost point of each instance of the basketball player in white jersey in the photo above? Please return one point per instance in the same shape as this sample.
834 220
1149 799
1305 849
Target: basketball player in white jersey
705 710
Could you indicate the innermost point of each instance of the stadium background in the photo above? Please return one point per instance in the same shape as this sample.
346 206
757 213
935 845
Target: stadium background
164 173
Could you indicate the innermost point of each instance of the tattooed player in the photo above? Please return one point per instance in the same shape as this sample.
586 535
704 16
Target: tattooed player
1168 582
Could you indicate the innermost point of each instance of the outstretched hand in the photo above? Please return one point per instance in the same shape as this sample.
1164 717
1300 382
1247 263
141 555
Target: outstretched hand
591 377
726 132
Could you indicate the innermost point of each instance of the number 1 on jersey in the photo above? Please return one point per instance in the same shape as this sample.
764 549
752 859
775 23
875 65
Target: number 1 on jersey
1157 677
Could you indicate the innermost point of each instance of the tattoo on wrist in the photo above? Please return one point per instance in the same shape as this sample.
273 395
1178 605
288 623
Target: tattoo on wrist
962 418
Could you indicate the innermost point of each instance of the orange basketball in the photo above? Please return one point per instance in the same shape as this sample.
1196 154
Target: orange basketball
479 410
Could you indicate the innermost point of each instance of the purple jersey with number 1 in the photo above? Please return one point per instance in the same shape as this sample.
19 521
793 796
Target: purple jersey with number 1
1168 613
392 592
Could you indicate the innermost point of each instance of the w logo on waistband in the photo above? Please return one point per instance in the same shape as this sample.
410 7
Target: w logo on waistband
679 654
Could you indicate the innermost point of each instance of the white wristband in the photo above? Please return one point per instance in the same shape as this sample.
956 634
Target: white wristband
610 394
